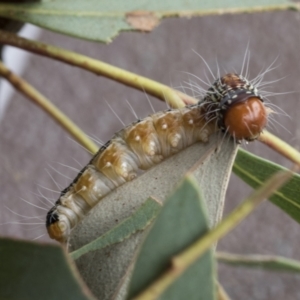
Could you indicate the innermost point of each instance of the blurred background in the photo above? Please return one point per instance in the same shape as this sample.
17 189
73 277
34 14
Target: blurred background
32 145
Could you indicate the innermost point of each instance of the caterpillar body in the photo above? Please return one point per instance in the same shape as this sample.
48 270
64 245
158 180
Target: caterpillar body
232 104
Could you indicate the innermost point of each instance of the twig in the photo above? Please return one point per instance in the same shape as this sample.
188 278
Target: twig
266 262
161 91
33 95
222 295
280 146
174 98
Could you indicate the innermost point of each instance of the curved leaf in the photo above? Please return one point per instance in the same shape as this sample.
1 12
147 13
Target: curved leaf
182 220
187 259
255 170
103 20
107 271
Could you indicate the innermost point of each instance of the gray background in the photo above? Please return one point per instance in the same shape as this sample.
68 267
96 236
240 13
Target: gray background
31 142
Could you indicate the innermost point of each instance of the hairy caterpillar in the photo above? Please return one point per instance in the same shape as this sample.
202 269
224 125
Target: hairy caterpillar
232 104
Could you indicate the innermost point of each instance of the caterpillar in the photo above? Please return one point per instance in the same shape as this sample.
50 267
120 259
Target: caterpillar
232 104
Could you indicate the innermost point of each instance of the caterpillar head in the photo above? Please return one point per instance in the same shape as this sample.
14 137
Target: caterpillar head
237 106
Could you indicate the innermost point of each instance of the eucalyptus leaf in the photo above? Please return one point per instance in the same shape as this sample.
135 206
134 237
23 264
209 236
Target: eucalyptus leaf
103 20
182 220
107 271
255 171
35 271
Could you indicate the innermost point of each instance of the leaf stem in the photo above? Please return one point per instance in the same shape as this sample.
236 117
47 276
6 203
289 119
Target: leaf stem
186 258
36 97
280 146
221 293
267 262
174 98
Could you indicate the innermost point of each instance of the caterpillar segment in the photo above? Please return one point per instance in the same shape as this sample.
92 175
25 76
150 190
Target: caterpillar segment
232 104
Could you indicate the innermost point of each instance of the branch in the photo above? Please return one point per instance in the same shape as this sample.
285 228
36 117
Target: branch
172 97
33 95
280 146
266 262
221 293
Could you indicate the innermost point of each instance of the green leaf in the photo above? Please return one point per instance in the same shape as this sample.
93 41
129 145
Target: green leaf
182 220
103 20
267 262
137 221
255 170
35 271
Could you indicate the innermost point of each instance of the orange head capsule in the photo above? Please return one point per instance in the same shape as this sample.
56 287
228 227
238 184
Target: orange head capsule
246 120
